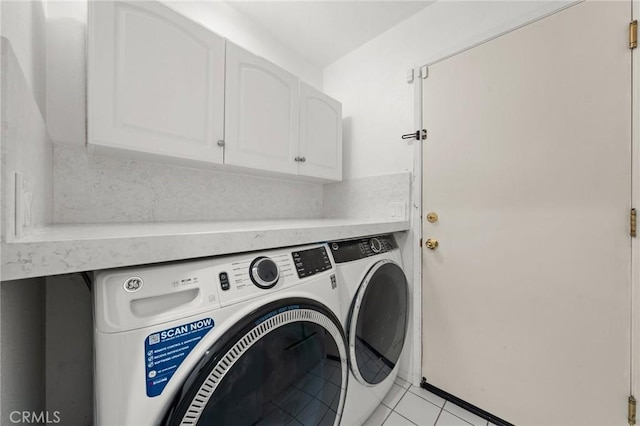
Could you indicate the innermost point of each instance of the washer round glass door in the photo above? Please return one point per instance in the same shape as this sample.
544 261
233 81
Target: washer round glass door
378 322
286 363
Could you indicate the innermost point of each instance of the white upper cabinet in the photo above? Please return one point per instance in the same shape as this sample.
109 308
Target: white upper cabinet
163 87
261 113
155 82
320 135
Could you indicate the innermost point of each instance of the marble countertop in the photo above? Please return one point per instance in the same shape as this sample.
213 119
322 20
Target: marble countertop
61 249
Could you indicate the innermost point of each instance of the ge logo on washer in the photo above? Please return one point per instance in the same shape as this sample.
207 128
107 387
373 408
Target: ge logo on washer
133 284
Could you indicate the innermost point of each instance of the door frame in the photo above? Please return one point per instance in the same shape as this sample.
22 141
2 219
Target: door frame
415 235
635 197
416 189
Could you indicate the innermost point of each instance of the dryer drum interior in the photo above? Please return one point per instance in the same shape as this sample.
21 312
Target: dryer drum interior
378 322
285 362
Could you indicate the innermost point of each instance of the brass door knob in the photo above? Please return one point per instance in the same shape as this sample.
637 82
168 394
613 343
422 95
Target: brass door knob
431 243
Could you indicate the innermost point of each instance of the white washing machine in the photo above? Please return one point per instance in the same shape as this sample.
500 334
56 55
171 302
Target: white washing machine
375 314
237 340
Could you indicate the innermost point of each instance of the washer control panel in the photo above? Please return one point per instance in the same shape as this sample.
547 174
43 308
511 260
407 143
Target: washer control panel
256 272
350 250
244 276
312 261
264 272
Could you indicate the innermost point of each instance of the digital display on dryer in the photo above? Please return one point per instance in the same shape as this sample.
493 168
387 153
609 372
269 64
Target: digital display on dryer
310 262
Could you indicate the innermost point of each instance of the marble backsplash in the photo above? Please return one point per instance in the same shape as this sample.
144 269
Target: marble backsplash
374 197
99 189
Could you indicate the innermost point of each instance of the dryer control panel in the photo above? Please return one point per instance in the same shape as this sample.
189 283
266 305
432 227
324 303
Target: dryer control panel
350 250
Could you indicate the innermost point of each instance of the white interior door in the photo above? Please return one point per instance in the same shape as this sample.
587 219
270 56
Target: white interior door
528 165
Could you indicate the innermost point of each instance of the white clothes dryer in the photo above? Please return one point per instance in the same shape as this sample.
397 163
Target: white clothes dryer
248 339
375 312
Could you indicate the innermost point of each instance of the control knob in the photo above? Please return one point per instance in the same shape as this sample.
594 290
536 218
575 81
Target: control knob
376 245
264 272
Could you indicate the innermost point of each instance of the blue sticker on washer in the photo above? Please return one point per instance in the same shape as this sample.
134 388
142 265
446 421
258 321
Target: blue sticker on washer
164 351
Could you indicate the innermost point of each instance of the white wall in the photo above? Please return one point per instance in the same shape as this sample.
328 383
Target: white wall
1 201
66 53
69 349
22 350
23 24
249 34
26 148
371 84
66 71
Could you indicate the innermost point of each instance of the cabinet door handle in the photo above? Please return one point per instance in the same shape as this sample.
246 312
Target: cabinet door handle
220 142
303 159
297 159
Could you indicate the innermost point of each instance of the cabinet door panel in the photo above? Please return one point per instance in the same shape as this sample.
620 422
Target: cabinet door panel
261 113
156 82
320 134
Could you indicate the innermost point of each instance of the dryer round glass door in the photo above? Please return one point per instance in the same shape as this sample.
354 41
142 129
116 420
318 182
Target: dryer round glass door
285 363
378 322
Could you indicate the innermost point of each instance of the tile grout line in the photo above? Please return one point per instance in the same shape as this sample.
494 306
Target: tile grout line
408 390
442 408
387 416
439 414
398 402
468 422
425 399
402 417
393 409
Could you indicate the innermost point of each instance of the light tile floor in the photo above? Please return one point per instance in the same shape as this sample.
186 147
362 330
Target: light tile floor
409 405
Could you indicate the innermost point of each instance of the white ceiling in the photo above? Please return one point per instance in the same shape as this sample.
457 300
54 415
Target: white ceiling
324 31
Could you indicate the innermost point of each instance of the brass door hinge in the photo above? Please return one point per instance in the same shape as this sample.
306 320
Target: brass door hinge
633 34
632 223
632 410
